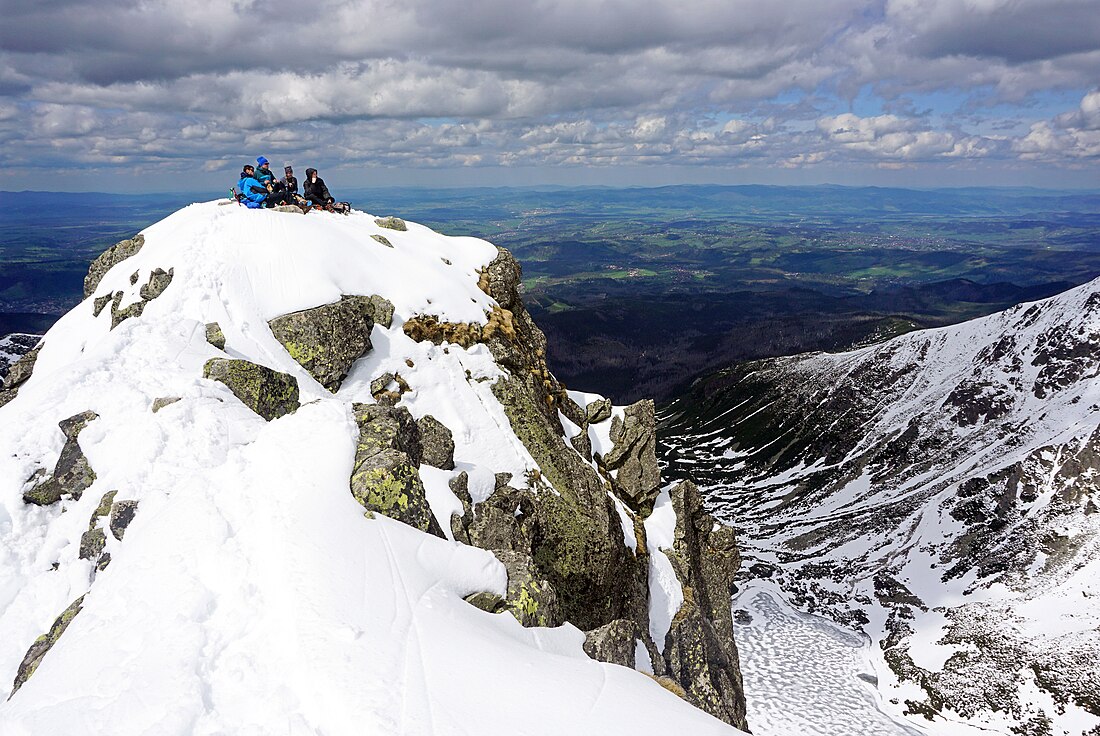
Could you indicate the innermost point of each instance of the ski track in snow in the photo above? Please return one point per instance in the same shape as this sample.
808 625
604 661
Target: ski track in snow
801 673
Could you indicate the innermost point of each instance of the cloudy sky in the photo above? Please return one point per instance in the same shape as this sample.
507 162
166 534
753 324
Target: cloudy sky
124 95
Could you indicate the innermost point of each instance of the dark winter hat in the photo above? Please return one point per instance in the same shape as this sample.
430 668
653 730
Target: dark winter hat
288 168
261 160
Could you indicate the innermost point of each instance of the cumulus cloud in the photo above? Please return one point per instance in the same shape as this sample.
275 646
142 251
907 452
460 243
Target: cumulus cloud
431 84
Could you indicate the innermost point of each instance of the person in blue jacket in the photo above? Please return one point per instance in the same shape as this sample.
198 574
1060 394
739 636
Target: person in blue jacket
253 192
256 194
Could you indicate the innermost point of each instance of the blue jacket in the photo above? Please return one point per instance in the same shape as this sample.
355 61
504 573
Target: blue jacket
254 192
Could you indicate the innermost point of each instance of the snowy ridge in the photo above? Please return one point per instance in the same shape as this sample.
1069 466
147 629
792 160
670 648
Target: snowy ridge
250 594
937 491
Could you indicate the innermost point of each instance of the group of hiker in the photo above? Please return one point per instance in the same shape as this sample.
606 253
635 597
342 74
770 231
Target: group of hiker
259 188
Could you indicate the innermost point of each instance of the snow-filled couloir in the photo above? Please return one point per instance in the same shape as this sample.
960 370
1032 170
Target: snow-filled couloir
286 474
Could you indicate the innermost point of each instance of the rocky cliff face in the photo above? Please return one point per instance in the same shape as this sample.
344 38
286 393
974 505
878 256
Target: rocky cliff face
938 491
414 380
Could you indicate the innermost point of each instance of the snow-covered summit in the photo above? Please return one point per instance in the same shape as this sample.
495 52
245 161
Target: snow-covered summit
938 490
173 562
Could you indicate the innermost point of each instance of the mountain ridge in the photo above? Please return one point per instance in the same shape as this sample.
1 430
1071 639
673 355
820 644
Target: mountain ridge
929 490
297 454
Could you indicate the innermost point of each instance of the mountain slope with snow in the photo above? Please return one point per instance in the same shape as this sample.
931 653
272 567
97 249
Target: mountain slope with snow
189 567
937 491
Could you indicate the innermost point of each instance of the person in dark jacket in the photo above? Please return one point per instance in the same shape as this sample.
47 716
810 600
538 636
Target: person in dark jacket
317 193
289 181
315 190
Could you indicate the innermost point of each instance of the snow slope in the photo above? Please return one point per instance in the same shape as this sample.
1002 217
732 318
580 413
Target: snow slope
938 491
251 595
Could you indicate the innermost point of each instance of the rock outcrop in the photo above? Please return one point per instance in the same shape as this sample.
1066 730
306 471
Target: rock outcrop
18 374
633 459
384 477
391 223
269 393
614 642
437 441
72 474
215 336
564 520
159 280
328 339
699 649
108 259
44 643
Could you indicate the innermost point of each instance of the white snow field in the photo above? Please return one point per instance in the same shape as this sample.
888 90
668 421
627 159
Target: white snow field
805 674
250 594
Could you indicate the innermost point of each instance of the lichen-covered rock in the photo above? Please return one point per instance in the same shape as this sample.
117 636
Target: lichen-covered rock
94 540
380 310
268 393
22 369
505 520
120 314
578 544
488 602
388 428
328 339
598 411
699 649
438 443
614 642
530 598
18 374
383 240
633 457
72 474
582 443
100 303
215 336
159 280
92 543
108 259
391 223
122 513
163 401
42 645
384 477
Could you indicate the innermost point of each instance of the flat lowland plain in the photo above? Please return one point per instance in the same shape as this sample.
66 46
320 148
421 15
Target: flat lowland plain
641 290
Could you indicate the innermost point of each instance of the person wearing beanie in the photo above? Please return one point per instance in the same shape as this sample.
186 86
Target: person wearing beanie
266 177
289 181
